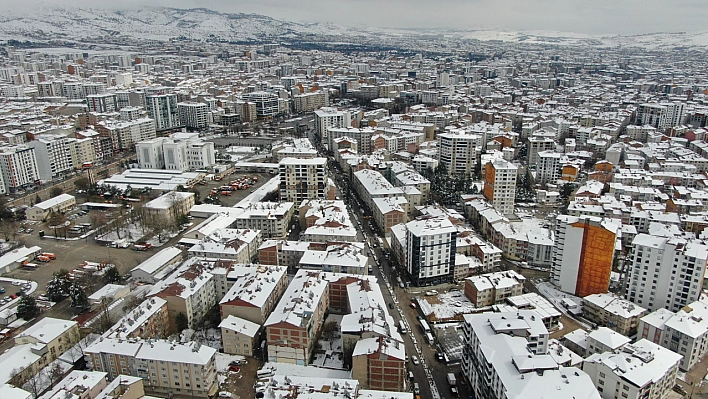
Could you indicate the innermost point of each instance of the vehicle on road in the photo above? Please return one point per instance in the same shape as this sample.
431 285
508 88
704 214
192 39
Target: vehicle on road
224 394
402 327
451 379
390 305
424 325
415 360
416 388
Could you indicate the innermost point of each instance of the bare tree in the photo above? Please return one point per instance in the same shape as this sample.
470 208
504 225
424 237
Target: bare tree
55 373
8 228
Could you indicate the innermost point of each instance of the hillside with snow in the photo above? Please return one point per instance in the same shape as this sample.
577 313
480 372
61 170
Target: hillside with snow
86 25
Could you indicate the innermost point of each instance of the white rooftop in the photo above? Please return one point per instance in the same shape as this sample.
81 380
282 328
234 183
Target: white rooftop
241 326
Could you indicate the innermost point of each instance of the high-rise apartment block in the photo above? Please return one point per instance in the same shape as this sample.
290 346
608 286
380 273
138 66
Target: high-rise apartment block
302 179
500 185
665 272
583 255
163 109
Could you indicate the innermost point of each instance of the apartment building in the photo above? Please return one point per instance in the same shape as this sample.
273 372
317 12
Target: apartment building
254 290
643 370
583 254
102 103
189 290
50 337
380 364
428 247
611 311
302 179
239 336
506 356
459 151
665 272
148 320
370 184
193 115
283 252
311 101
166 367
295 323
362 136
239 245
127 133
271 218
684 332
19 168
52 154
327 118
162 108
346 257
493 288
500 185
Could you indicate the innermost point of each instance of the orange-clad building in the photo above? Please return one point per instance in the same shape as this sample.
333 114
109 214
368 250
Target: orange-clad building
582 259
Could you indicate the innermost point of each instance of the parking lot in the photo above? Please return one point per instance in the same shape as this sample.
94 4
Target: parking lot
237 195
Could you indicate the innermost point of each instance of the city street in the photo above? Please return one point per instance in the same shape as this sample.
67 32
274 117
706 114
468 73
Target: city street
383 269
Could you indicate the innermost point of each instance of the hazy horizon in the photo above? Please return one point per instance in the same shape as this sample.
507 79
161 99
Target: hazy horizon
598 17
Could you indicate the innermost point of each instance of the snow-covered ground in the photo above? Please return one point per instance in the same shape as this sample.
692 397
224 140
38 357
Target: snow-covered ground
332 356
222 360
131 232
446 306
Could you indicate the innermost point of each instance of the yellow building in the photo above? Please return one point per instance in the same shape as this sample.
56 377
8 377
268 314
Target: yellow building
50 337
239 336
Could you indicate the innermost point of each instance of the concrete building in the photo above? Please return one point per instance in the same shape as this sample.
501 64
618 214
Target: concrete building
239 336
50 337
169 206
271 218
181 151
53 155
492 288
163 110
684 332
379 364
58 204
665 272
506 356
189 290
500 185
640 370
18 167
102 103
611 311
148 320
302 179
157 266
326 118
164 366
583 255
429 246
459 151
193 115
237 245
254 291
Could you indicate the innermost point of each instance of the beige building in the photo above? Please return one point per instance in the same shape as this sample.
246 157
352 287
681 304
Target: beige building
50 337
379 364
613 312
169 206
492 288
165 367
239 336
59 204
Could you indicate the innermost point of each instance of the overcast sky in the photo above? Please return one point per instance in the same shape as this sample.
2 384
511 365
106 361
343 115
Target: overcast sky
580 16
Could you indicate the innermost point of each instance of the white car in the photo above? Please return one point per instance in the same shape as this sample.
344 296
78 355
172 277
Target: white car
224 394
415 361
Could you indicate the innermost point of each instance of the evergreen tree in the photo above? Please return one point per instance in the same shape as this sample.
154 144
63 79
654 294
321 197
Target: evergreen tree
181 322
111 276
27 308
78 296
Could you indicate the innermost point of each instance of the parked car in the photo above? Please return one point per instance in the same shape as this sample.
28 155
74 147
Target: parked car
415 360
224 394
235 369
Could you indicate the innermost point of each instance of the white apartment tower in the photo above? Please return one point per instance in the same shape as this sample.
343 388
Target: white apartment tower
665 272
459 151
19 167
53 154
163 109
194 115
326 118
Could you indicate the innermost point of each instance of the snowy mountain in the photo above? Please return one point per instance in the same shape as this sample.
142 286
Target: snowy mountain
87 25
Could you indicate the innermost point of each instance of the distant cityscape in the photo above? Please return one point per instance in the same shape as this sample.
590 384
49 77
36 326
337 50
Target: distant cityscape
196 204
